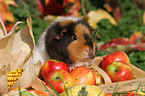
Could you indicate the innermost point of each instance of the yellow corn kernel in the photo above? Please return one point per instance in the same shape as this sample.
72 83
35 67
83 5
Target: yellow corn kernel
13 76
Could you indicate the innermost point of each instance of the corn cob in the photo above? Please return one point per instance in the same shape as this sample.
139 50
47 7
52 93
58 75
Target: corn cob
13 76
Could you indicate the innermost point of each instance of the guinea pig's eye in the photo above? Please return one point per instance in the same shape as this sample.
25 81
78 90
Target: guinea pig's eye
74 37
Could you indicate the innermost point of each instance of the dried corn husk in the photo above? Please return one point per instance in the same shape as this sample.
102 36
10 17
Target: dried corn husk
2 29
16 51
3 77
28 77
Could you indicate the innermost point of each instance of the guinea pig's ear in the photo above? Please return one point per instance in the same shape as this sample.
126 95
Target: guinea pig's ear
59 36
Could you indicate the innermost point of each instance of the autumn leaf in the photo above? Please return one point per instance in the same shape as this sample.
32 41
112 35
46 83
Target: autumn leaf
94 17
126 44
9 27
5 13
115 42
136 36
117 14
112 6
11 2
51 7
108 7
74 9
124 48
139 46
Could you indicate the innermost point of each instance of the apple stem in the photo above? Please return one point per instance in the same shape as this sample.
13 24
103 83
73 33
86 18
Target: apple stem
116 70
58 78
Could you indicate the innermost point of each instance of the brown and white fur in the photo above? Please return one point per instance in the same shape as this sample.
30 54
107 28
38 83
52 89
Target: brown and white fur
67 39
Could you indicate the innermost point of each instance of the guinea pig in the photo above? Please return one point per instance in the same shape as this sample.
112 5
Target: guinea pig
67 39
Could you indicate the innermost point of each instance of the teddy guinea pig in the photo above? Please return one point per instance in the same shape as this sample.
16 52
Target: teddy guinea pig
67 39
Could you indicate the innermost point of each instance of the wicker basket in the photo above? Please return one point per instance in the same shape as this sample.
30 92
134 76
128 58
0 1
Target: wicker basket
123 86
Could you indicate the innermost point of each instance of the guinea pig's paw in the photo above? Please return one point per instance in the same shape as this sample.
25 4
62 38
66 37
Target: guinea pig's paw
72 68
79 64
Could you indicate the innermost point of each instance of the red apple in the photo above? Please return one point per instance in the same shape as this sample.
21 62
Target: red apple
119 71
83 75
58 79
52 65
115 56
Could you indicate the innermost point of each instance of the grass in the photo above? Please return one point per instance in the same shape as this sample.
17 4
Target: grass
52 87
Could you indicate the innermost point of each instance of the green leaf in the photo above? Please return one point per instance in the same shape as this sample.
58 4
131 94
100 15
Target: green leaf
46 89
52 87
115 88
137 89
65 89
